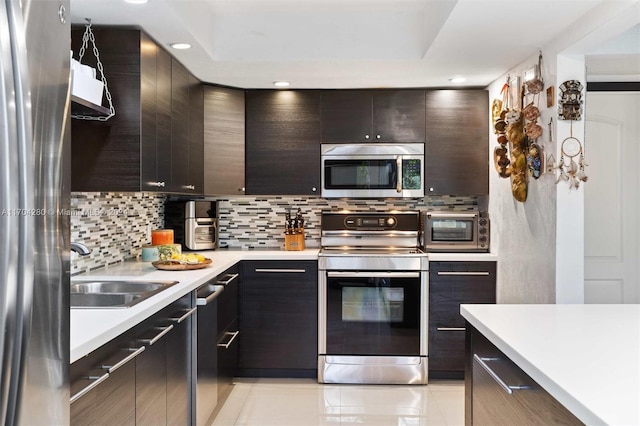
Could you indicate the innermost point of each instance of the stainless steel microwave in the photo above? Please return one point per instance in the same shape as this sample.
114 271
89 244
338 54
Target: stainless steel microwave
455 231
372 170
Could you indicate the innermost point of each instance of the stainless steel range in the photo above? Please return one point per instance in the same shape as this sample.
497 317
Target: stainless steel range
373 299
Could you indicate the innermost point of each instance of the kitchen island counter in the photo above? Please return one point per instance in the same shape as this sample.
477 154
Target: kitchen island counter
91 327
586 356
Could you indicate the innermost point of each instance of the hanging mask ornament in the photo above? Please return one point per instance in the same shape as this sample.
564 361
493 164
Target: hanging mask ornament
570 103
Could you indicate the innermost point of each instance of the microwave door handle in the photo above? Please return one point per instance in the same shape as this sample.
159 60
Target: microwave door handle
399 181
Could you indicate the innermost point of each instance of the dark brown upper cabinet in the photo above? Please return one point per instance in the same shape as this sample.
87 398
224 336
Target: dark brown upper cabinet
187 132
224 141
354 116
283 142
457 148
148 144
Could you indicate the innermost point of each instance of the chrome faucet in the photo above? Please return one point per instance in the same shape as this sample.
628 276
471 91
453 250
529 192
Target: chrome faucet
80 248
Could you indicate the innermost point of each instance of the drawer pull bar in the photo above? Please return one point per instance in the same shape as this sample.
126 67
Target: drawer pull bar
185 316
203 301
95 381
451 329
134 353
228 281
233 335
507 388
164 331
465 274
290 271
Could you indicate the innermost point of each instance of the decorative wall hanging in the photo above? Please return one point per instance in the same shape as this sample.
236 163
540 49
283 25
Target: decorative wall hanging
550 96
571 172
570 100
533 78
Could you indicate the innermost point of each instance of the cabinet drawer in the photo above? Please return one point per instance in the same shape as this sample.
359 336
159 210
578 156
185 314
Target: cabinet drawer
446 349
228 299
445 299
503 394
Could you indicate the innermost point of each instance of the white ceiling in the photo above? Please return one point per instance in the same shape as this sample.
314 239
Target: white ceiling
346 43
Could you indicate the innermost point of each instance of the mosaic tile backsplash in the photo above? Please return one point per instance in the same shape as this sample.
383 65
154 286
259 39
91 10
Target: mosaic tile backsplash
116 225
248 222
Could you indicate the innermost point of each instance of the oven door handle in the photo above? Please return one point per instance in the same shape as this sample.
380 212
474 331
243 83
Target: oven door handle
370 274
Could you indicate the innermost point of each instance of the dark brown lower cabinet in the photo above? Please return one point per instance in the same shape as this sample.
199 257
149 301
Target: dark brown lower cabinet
450 284
140 378
498 392
179 366
279 319
151 383
110 402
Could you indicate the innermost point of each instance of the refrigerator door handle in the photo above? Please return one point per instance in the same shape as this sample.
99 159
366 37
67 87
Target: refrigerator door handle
8 221
23 172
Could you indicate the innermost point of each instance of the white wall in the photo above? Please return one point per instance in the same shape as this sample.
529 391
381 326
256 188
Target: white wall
524 234
540 243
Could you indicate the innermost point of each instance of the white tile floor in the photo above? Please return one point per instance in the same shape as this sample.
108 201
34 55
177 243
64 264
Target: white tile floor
304 402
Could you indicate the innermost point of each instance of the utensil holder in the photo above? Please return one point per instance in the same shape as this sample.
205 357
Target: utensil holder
294 242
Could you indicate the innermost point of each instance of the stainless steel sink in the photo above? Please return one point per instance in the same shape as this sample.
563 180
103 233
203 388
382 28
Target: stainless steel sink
114 293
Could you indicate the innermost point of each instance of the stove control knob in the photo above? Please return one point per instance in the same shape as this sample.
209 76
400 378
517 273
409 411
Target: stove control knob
482 230
391 221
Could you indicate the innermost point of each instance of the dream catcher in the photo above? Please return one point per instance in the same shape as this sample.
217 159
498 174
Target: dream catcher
571 164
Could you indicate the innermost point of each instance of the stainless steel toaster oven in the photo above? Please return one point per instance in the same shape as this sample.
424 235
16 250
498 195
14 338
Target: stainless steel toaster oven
450 231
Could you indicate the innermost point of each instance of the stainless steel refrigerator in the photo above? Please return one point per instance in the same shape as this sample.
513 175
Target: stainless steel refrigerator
34 197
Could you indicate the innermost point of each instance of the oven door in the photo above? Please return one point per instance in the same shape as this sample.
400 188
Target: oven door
373 313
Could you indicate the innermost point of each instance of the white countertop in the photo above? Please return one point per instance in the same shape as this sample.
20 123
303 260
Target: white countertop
92 328
462 257
586 356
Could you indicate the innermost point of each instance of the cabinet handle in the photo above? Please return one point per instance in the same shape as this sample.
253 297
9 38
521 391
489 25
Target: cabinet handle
157 184
378 136
228 281
507 388
465 274
190 187
241 189
399 167
134 353
314 189
366 136
451 329
185 316
233 335
203 301
164 331
292 271
95 381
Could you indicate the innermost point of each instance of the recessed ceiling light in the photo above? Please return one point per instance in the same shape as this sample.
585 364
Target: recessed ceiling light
281 83
180 46
136 1
457 80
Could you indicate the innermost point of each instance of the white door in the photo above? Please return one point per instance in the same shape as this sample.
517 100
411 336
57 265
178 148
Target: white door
612 198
